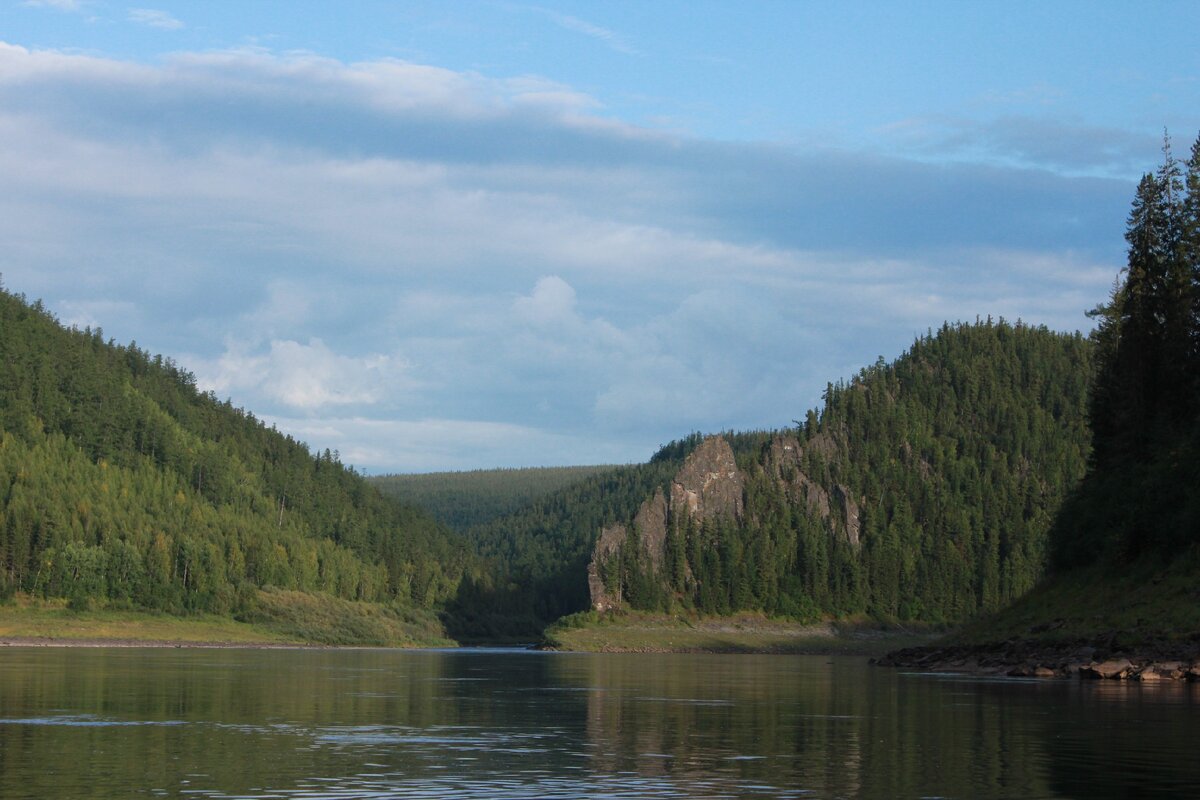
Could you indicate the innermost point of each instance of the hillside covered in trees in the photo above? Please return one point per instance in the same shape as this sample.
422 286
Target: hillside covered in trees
923 490
540 552
475 497
1125 545
122 484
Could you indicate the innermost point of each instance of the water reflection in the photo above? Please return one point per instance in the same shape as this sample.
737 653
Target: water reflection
379 724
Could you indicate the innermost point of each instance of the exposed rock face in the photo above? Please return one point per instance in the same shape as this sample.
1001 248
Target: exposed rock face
709 484
786 459
849 513
651 526
610 542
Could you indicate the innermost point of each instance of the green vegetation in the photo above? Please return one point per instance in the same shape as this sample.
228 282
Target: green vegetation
464 500
1154 599
541 551
925 490
276 617
644 632
23 617
1126 543
123 486
1139 496
953 460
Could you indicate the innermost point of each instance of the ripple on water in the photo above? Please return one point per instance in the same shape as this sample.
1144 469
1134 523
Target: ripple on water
85 721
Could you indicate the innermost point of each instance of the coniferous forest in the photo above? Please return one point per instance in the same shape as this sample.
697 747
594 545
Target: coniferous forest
121 483
953 461
1140 496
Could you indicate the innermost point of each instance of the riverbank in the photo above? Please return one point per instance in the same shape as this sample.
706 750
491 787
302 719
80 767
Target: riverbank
1104 658
638 632
277 619
1137 621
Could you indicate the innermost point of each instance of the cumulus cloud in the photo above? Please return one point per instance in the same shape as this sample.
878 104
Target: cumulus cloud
303 376
382 253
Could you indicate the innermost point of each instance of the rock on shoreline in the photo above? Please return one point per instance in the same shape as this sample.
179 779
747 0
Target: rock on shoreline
1104 658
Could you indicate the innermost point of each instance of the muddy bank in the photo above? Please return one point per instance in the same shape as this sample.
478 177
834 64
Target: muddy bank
1104 657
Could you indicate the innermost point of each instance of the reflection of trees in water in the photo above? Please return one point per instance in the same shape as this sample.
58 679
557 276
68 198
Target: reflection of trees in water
699 725
227 718
1119 739
838 728
696 719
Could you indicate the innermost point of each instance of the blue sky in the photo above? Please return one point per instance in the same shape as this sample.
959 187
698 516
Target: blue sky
450 236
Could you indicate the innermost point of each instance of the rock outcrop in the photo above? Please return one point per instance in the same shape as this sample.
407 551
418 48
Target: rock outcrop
708 485
651 526
1086 659
608 545
785 461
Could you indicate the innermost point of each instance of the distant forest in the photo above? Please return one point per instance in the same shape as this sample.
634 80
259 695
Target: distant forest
475 497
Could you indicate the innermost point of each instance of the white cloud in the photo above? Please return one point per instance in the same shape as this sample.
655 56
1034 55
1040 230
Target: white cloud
393 259
553 300
597 32
61 5
306 377
154 18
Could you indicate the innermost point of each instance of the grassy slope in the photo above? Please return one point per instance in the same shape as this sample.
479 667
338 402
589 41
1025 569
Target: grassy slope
641 632
279 618
1156 599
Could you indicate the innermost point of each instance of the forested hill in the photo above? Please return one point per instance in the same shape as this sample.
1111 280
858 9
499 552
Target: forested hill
1125 544
924 489
121 483
476 497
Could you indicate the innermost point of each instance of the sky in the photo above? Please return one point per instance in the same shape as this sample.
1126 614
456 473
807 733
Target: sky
443 236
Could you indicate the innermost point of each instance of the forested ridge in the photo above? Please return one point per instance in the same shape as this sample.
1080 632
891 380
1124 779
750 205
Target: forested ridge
476 497
121 483
924 489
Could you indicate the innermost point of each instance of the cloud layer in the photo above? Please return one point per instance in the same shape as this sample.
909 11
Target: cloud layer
433 269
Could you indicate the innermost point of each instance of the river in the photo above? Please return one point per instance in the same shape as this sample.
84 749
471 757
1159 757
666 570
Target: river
133 722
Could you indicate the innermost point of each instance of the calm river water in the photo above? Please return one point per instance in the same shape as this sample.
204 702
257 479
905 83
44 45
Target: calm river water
110 723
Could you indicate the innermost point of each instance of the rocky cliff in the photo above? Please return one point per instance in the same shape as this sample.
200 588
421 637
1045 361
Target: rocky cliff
707 486
710 486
